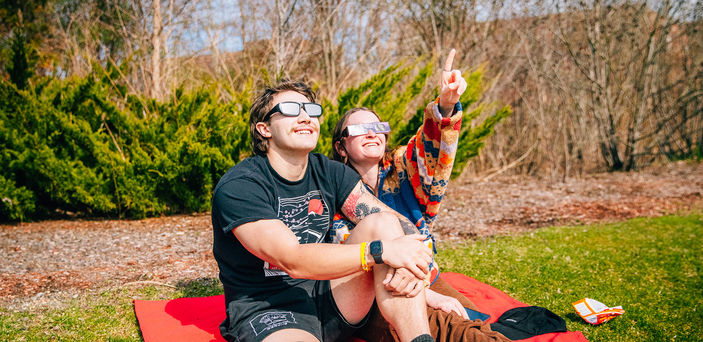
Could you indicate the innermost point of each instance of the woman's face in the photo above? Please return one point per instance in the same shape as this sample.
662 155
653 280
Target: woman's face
365 148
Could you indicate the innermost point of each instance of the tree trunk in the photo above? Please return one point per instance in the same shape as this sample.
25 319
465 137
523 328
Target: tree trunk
156 52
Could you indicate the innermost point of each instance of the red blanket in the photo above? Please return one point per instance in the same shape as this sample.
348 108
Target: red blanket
198 319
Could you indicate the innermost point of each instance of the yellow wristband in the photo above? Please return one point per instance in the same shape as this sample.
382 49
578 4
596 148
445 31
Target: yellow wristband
364 265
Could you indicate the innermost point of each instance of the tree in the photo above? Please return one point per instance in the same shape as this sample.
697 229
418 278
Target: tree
21 25
21 63
618 58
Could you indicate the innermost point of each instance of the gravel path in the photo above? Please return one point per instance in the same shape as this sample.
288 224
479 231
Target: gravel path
43 262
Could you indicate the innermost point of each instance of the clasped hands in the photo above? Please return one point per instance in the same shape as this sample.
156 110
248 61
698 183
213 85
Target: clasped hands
409 277
401 282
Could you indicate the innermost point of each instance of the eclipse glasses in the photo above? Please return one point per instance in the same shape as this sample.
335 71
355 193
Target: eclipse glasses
290 108
361 129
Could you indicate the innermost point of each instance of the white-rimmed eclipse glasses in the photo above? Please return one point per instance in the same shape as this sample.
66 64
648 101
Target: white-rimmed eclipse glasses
361 129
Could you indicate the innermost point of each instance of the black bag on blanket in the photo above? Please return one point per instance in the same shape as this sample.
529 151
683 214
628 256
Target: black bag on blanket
528 321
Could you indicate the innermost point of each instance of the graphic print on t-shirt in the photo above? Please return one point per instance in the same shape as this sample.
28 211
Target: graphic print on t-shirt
307 216
270 320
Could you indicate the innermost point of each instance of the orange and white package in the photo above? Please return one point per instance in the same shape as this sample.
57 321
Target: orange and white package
595 312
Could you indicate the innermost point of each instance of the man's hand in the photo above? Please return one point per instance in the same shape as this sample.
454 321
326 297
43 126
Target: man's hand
452 85
408 252
400 282
445 303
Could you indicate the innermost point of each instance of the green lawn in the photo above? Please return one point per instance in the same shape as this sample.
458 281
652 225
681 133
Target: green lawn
652 267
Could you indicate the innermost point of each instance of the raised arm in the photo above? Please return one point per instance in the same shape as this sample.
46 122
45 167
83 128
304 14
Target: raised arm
429 156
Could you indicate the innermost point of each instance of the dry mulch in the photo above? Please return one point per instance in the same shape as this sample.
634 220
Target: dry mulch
515 203
43 262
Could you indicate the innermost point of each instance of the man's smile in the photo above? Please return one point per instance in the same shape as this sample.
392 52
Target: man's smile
304 130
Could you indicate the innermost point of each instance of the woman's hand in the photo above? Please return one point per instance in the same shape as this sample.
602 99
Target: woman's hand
452 86
444 303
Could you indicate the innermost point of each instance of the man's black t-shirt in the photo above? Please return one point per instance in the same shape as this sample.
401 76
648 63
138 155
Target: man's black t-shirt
252 191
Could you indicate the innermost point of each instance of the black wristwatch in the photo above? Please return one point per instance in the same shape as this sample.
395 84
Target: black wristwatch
376 249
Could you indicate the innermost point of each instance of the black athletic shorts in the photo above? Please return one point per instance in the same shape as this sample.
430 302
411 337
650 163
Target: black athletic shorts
308 306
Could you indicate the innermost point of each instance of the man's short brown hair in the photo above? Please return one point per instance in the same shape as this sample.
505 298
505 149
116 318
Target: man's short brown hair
263 104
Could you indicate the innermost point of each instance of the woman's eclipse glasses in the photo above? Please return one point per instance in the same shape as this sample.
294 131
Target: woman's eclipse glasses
361 129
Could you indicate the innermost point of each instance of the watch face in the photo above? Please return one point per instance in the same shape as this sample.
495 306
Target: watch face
376 248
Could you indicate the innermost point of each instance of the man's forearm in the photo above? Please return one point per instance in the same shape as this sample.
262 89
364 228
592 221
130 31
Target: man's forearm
339 260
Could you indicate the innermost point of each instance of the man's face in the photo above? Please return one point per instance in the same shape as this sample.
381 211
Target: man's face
288 134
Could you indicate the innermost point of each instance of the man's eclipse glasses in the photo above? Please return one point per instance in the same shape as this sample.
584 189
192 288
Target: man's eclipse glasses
290 108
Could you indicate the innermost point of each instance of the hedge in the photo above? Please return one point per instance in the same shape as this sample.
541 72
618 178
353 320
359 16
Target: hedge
85 146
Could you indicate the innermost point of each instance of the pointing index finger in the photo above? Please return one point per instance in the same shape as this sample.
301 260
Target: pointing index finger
450 60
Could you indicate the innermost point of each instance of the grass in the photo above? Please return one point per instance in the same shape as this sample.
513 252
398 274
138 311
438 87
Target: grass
108 316
652 267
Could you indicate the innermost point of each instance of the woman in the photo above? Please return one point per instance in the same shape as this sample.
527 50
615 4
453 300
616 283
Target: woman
412 180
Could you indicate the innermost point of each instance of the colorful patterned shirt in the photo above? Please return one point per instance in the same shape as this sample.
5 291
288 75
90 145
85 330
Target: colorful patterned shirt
423 172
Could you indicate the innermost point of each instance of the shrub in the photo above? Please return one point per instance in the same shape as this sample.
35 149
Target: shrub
15 203
84 146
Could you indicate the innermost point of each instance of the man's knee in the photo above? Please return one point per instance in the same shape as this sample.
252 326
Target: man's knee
381 225
291 335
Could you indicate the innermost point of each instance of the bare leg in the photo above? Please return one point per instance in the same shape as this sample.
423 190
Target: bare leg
355 293
286 335
400 311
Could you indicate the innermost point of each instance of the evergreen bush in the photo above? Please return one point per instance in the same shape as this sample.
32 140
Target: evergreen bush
85 146
80 146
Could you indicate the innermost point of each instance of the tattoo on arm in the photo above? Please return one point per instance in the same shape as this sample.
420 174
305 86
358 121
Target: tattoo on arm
408 227
360 204
350 204
362 210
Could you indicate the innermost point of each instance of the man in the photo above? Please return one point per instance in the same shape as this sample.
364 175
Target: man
270 214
